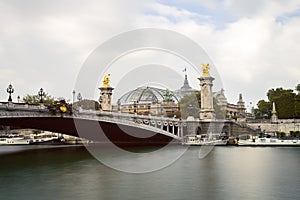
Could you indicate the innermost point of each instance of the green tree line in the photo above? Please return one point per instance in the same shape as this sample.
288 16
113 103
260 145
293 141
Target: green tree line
35 99
287 104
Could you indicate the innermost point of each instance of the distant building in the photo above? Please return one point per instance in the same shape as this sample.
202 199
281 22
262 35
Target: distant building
185 89
155 101
149 100
232 110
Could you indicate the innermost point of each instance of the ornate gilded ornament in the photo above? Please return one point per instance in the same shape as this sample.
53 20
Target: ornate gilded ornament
168 95
63 108
106 81
205 69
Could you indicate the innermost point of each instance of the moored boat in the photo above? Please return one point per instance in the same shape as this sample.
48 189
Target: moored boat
249 140
47 138
15 140
205 139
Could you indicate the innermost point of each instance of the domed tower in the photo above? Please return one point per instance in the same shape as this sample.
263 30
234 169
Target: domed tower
186 89
149 100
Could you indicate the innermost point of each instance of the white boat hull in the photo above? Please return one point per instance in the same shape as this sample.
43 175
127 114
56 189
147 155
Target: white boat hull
15 141
199 140
269 142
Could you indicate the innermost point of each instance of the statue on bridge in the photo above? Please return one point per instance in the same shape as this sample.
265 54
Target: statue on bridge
205 69
168 95
106 81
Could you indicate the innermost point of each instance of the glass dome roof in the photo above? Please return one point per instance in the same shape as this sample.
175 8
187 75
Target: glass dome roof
145 95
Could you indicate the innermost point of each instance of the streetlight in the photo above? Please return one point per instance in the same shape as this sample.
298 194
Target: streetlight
41 94
119 104
73 96
79 97
190 110
134 106
10 90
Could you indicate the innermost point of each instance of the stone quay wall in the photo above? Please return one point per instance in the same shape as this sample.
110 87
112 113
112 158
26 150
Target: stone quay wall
282 125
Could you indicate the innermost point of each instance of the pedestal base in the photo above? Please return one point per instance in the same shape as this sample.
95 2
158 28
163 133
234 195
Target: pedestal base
106 93
208 115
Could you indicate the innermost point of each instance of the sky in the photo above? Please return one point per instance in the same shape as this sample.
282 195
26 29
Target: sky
254 45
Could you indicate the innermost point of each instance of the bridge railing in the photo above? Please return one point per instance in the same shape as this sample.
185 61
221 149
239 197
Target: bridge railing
154 123
22 107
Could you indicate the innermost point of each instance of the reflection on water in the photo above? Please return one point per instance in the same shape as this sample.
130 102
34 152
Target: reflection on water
226 173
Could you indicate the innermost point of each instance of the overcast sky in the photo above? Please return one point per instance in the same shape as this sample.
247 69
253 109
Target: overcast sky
254 45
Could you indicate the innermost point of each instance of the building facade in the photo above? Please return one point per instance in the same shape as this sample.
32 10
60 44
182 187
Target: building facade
163 102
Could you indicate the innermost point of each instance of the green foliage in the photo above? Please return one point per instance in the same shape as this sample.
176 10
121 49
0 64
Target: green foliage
220 114
286 101
190 105
35 99
298 88
295 133
274 94
264 110
285 105
297 106
281 134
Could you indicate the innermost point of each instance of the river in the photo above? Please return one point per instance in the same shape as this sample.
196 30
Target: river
71 172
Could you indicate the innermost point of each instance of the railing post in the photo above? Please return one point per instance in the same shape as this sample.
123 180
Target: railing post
168 128
173 129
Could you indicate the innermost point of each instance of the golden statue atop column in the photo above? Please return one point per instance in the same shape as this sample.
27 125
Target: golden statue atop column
106 81
207 111
106 94
205 69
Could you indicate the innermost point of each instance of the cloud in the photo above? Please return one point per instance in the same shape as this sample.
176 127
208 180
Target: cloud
254 44
44 43
253 53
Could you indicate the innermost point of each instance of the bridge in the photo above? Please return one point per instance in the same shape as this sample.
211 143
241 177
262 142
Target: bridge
116 127
94 125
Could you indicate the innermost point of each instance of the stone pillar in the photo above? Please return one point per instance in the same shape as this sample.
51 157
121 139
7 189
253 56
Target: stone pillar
106 94
274 118
207 111
241 106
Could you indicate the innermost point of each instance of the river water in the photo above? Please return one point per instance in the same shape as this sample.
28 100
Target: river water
64 172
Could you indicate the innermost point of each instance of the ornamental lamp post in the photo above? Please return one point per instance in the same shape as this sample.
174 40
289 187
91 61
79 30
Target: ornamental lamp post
119 105
10 90
41 94
134 106
73 96
79 97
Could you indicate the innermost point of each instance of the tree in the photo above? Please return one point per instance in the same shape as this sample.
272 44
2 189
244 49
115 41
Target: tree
286 101
285 105
220 114
35 99
297 105
273 94
298 88
190 106
264 110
